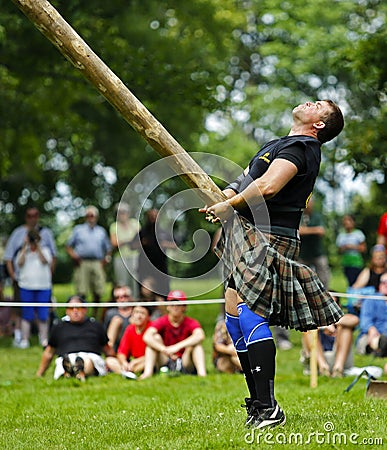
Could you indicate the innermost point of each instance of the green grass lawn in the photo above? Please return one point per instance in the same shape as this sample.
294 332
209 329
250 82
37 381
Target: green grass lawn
182 412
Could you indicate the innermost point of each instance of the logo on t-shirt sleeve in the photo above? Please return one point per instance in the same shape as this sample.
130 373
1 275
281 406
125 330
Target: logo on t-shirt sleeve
265 157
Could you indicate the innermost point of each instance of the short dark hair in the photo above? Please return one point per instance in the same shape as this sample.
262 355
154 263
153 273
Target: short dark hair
79 298
334 123
150 309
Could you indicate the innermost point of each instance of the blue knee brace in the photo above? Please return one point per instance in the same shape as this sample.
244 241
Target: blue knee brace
254 327
234 330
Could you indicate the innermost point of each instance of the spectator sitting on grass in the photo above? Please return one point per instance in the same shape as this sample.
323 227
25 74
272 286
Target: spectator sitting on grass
130 358
225 357
368 279
175 340
334 346
373 324
78 342
370 275
117 319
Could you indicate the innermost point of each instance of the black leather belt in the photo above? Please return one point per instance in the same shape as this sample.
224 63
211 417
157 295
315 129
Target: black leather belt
281 231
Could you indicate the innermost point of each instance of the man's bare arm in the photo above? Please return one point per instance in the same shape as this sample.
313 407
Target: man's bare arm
279 173
45 362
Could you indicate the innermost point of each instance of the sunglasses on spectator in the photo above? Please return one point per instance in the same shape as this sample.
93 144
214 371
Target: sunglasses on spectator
122 296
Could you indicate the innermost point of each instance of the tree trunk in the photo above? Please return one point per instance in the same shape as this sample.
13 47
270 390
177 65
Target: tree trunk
47 19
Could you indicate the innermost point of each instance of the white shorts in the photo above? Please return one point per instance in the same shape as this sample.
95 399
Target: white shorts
98 361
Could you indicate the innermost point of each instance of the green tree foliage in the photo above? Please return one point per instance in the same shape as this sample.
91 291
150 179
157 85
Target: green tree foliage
288 54
295 51
181 60
57 128
236 66
367 64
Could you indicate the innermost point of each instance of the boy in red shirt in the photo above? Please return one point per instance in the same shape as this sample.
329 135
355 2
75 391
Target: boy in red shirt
175 340
131 351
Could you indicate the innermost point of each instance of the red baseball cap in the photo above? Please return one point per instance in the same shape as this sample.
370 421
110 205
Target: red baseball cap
177 295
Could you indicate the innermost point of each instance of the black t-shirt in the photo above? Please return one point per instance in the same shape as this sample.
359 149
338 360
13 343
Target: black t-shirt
294 153
153 260
374 280
150 237
285 208
68 337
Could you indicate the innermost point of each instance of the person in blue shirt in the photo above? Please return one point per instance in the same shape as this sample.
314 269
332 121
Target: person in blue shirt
373 324
90 249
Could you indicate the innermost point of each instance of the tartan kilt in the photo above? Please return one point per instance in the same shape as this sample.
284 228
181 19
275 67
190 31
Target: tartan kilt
270 281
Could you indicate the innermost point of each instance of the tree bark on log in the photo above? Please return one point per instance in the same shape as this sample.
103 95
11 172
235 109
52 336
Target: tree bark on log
49 22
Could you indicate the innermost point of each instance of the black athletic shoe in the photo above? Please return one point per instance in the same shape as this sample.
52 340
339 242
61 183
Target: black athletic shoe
79 369
175 365
252 412
269 417
67 366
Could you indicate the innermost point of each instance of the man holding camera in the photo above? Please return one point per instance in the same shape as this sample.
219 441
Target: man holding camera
35 284
14 245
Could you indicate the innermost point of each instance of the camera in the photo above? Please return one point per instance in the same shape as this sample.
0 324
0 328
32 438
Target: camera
33 237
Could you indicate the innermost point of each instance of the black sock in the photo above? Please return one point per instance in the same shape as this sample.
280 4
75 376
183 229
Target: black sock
262 363
245 363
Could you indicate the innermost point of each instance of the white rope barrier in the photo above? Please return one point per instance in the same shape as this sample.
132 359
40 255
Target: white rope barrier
115 304
167 302
364 296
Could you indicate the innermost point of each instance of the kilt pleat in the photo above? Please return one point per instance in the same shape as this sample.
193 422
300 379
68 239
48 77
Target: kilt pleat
270 280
